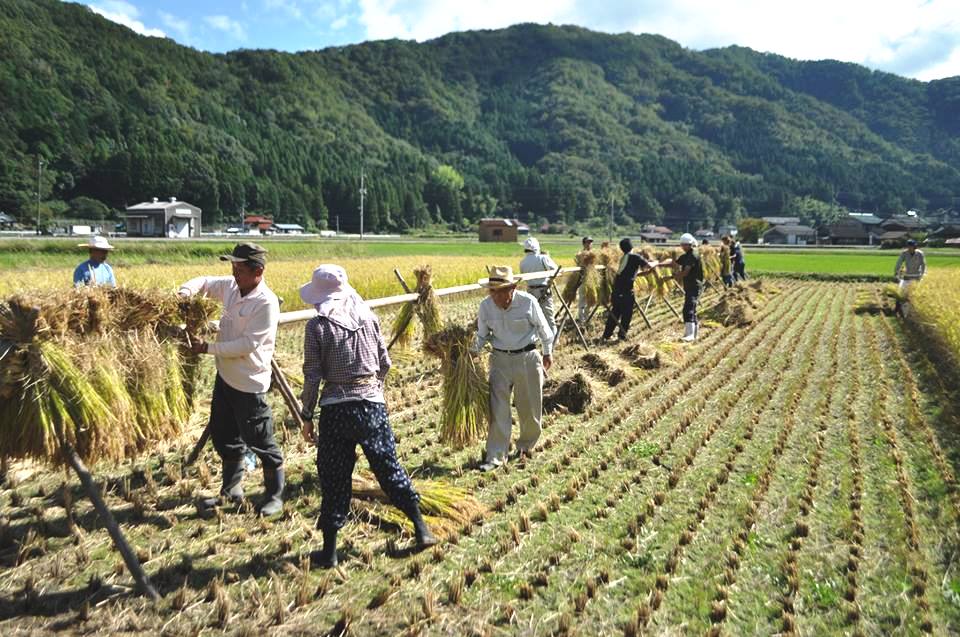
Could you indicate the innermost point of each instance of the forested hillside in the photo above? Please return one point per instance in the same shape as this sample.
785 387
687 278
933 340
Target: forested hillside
549 122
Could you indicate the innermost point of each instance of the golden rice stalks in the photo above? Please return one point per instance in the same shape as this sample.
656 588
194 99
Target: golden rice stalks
428 308
710 257
610 259
439 499
466 388
101 369
402 327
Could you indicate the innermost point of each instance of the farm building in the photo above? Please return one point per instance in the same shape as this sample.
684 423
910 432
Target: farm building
288 228
172 218
654 237
505 230
254 224
855 229
6 221
793 234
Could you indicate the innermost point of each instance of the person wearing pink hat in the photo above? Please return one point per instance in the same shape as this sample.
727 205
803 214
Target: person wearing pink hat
344 349
95 270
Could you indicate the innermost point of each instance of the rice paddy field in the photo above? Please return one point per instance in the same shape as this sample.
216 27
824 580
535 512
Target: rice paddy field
794 475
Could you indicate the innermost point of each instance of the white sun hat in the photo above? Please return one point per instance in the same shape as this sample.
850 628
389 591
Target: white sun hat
532 245
687 239
96 243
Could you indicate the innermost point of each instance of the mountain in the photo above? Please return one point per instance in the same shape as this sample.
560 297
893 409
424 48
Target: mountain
550 122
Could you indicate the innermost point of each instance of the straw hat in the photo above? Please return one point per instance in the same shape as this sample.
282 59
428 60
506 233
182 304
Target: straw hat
501 276
329 282
96 243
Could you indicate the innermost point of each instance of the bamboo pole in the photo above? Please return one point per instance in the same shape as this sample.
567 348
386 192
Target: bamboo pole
129 557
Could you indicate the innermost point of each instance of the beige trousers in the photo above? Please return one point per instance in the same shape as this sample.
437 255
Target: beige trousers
521 374
545 299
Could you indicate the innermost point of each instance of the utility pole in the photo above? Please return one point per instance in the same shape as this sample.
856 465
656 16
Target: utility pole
338 224
363 193
610 232
39 174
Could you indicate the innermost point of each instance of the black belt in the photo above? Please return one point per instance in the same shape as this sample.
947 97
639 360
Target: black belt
528 348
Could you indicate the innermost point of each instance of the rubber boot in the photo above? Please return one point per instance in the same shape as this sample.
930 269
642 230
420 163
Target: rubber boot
696 330
326 558
230 492
422 534
689 332
272 492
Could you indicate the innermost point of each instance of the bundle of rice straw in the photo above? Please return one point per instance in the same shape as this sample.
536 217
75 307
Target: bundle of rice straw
588 281
426 307
466 388
101 369
610 259
710 257
448 505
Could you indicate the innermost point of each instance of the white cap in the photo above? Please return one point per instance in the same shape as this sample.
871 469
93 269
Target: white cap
96 243
531 244
687 239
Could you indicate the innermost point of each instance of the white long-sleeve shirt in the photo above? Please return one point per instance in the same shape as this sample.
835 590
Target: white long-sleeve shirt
914 265
521 324
534 262
248 331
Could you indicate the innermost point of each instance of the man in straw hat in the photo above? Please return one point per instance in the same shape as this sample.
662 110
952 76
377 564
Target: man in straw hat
343 348
536 261
95 270
688 268
512 322
240 417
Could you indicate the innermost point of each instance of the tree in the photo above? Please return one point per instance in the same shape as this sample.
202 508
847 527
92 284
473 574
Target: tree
750 229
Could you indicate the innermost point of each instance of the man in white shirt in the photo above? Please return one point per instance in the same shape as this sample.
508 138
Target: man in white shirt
240 417
512 322
536 261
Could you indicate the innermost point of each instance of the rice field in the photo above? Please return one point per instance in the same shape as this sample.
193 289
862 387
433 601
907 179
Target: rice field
793 476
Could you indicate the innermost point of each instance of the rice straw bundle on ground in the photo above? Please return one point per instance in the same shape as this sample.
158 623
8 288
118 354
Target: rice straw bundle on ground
466 389
735 308
571 395
642 355
76 372
448 506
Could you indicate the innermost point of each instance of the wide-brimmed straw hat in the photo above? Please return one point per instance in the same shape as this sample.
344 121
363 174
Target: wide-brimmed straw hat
96 243
501 276
329 282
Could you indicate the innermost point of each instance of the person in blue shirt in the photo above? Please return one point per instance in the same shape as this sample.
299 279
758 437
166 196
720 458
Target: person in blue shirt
95 270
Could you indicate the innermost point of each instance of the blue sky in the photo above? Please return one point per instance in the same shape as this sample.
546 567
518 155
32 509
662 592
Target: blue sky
914 38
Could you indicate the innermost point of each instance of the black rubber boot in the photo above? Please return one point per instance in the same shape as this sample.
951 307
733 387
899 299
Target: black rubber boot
327 558
231 492
272 491
424 537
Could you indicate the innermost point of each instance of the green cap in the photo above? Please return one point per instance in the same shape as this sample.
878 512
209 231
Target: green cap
247 252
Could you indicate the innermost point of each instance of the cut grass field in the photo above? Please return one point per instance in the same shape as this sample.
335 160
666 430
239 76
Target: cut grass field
795 476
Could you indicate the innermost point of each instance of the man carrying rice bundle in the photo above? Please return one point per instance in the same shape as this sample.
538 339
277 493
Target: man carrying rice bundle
583 305
536 261
689 269
240 417
95 270
343 348
512 322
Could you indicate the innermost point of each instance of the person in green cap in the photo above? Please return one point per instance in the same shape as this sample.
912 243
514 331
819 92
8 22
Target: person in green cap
240 417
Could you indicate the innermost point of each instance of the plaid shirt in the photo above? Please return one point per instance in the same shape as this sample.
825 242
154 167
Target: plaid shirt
352 365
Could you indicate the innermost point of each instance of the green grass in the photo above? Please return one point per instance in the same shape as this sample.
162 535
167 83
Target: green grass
873 263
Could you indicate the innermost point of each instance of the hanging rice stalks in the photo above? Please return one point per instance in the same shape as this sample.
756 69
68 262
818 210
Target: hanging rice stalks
104 366
402 327
426 308
610 259
710 257
466 389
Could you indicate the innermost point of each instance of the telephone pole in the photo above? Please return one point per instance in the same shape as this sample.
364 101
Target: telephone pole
39 174
363 193
610 232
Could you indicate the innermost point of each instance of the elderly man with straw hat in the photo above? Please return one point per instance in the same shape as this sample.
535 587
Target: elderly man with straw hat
95 270
512 322
240 417
343 348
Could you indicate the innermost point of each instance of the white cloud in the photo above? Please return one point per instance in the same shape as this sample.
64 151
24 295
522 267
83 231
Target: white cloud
126 14
920 38
227 25
340 22
289 7
178 25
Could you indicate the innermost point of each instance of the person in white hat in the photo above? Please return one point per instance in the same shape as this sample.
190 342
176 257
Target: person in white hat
344 349
240 416
536 261
688 268
95 270
512 322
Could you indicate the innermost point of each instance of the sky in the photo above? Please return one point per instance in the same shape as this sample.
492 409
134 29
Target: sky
912 38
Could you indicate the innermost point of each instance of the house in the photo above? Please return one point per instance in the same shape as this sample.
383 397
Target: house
654 237
258 224
703 233
522 228
790 234
782 221
172 218
6 221
854 229
904 223
288 228
946 231
657 229
498 230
